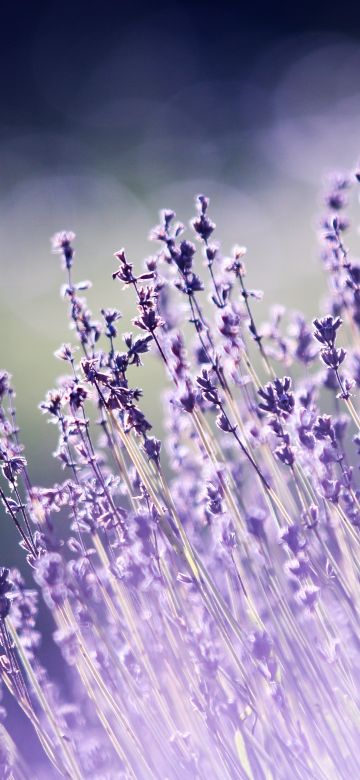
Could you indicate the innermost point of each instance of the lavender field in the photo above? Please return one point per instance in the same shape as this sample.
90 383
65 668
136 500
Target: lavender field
203 589
180 511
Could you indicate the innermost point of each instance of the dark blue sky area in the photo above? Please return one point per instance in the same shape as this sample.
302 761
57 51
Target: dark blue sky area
50 47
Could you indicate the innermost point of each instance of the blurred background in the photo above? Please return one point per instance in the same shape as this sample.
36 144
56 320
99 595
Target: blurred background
110 111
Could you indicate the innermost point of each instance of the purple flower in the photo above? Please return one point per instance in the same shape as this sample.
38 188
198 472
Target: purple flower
277 397
5 588
50 575
285 453
4 384
323 428
188 397
308 597
326 330
190 566
255 521
61 244
152 448
202 224
293 538
111 316
333 357
66 352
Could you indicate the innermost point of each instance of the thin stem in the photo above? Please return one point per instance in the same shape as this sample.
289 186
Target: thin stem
75 773
253 329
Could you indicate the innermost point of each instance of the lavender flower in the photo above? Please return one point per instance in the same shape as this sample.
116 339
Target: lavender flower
202 586
5 588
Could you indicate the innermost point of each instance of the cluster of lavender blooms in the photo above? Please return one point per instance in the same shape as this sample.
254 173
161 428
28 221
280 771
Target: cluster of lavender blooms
203 589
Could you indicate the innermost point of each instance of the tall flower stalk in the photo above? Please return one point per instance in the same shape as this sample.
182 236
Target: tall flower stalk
203 590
